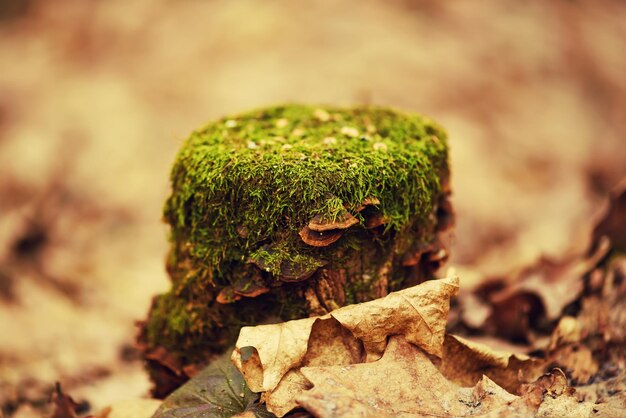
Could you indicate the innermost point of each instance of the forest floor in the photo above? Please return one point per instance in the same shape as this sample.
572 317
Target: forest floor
95 98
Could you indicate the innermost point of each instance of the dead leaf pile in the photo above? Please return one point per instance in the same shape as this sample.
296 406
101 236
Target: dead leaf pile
332 365
271 356
525 304
587 326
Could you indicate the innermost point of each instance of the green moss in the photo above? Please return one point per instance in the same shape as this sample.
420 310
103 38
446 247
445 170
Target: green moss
272 259
268 172
193 328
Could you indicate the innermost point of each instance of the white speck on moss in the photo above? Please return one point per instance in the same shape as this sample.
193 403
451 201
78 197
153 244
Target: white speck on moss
329 140
321 115
380 146
252 145
350 131
281 123
230 123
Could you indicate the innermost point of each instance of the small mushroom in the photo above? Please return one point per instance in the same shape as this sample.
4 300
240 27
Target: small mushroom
320 238
438 256
374 220
245 280
227 295
370 212
344 221
368 201
250 283
413 256
411 259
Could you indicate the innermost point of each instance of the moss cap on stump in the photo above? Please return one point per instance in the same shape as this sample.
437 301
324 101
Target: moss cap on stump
276 169
295 210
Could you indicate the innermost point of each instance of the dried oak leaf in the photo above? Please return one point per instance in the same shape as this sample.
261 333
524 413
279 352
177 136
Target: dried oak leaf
265 353
534 294
219 391
330 344
465 362
403 383
406 383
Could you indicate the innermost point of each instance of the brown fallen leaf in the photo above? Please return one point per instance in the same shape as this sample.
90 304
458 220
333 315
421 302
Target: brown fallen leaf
577 360
403 383
270 356
406 383
532 297
567 351
558 283
330 344
465 362
265 353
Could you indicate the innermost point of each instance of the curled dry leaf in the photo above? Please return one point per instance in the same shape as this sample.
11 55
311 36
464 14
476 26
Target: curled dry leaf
533 295
406 383
330 344
465 362
267 353
567 351
403 383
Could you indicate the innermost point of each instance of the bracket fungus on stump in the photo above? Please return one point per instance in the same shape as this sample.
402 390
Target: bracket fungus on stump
292 211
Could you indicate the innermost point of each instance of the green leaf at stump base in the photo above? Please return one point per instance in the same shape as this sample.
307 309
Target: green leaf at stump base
219 391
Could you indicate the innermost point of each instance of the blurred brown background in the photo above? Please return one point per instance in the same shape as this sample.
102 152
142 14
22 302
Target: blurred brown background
96 96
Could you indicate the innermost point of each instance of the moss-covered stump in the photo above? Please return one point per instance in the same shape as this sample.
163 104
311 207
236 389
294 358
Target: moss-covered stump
293 211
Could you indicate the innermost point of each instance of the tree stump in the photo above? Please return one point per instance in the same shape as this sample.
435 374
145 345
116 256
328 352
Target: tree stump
292 211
